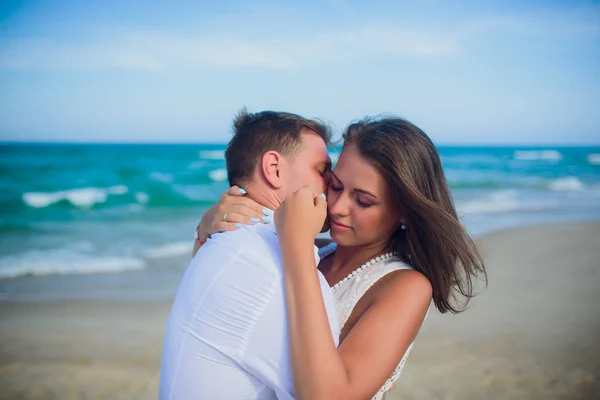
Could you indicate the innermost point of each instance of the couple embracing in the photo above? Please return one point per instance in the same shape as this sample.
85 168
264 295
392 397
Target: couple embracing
263 313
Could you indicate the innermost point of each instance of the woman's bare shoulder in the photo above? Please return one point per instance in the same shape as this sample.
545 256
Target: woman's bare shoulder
405 282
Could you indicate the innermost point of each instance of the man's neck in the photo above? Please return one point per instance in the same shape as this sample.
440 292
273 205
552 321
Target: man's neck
263 195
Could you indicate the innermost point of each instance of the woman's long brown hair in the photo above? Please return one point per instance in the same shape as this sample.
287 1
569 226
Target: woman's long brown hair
435 243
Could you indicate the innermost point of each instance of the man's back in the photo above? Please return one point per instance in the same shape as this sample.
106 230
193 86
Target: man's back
227 333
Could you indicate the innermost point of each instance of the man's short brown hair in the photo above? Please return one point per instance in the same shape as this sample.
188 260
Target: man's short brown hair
255 134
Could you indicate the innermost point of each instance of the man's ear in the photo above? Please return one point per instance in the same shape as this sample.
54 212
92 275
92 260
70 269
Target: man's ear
271 167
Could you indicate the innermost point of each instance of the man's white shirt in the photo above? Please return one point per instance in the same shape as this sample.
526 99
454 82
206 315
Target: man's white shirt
227 335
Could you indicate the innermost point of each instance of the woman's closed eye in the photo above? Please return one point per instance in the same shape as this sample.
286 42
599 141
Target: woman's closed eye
336 188
362 203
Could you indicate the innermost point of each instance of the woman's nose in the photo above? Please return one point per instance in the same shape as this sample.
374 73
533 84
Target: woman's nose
339 204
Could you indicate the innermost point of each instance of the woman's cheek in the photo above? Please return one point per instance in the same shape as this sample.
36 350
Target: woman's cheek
331 195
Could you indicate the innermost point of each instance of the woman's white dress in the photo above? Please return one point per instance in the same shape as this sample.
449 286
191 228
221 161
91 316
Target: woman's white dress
349 292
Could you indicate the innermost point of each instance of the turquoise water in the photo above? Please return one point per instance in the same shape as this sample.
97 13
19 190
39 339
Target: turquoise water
103 220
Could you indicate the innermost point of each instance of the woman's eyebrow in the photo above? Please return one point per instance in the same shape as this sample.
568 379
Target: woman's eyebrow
366 192
356 190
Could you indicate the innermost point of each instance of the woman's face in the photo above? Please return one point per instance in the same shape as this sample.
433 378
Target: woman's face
359 203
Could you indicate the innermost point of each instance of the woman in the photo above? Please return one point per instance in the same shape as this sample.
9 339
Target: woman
398 244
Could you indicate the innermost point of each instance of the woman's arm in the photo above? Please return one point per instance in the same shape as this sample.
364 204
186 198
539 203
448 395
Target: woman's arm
239 208
373 348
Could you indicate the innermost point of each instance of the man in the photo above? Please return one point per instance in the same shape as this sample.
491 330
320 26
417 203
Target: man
227 335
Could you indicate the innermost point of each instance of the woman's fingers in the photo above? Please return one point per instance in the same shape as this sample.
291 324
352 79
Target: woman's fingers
232 209
230 220
244 206
234 221
235 191
244 216
227 226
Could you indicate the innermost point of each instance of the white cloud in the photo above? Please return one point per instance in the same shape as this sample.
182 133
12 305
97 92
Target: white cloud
262 41
52 54
549 23
157 51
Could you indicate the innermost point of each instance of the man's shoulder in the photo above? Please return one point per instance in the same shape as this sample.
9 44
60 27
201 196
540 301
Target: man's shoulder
244 255
254 241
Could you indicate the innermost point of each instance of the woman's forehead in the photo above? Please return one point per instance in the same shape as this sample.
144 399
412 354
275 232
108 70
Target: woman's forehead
353 167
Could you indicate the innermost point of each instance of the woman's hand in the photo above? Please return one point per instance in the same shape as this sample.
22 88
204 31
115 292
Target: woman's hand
301 216
231 211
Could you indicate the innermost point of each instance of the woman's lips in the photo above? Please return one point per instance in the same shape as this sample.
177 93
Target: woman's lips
338 225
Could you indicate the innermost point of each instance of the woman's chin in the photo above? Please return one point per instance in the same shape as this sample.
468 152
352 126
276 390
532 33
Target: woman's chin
341 238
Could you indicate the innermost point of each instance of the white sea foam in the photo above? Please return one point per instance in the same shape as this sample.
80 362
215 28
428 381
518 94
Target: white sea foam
197 165
212 154
135 208
83 246
170 250
533 155
501 201
468 160
141 197
41 200
83 197
119 189
593 159
218 175
198 192
64 262
87 197
498 202
568 184
161 177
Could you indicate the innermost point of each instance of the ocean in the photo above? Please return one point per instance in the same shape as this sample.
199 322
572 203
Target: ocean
108 221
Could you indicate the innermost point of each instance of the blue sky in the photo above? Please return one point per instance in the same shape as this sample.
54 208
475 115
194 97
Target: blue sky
143 71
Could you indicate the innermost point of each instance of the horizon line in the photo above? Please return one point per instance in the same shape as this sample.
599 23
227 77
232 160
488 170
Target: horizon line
157 143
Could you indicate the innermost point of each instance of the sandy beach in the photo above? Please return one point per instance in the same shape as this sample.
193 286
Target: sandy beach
531 334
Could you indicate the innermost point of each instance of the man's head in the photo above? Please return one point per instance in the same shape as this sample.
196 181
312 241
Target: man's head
282 150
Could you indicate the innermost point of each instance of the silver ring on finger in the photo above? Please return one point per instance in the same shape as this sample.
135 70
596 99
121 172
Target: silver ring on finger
225 217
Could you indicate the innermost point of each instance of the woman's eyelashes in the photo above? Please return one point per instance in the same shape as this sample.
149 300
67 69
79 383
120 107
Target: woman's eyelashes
362 204
336 188
357 198
324 170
